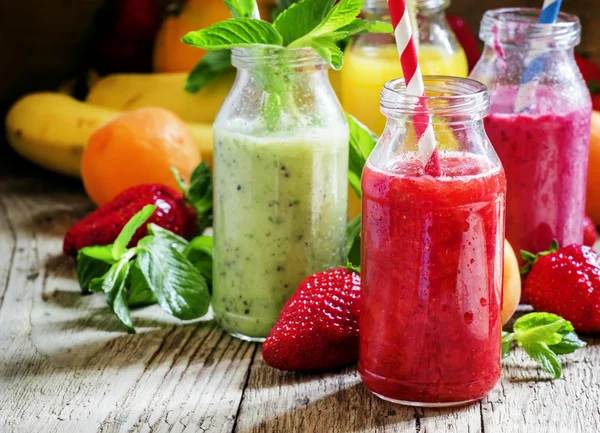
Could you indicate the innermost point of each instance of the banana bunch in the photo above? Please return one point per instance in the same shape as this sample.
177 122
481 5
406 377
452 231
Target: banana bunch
52 129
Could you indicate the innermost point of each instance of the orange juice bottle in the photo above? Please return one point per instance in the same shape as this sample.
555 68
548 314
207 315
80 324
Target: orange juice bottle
371 60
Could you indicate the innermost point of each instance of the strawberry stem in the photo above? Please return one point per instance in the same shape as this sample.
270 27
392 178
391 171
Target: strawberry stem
530 259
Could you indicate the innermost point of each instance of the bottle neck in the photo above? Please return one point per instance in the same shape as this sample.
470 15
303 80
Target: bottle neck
378 10
517 29
274 60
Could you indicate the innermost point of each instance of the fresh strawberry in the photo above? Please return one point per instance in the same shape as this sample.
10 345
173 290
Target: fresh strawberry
590 235
566 282
104 225
466 38
318 327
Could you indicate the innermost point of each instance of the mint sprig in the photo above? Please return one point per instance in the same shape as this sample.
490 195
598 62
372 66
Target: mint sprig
199 193
240 8
212 65
543 336
157 270
305 24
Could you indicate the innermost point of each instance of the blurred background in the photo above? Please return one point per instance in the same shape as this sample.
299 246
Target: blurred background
45 43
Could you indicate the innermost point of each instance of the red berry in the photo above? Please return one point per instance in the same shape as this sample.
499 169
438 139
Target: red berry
103 226
567 283
318 327
590 235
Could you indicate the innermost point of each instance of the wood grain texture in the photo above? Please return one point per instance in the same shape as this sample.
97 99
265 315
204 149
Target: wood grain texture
67 366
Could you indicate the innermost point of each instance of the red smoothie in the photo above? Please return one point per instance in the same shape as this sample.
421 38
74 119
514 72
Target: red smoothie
432 261
544 151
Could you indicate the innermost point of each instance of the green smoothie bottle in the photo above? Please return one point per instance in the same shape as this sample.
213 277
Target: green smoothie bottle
281 175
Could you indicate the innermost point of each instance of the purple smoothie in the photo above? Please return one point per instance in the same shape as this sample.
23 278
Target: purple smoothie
544 151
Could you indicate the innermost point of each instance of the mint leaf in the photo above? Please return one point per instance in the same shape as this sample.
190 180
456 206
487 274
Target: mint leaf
178 286
340 16
540 328
234 33
139 293
240 8
569 344
359 26
174 241
353 241
212 65
113 286
546 358
93 262
199 193
507 339
594 87
199 253
329 52
282 5
543 336
132 226
362 142
301 18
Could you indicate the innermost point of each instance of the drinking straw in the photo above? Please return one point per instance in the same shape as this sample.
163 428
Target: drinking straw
531 76
414 84
256 12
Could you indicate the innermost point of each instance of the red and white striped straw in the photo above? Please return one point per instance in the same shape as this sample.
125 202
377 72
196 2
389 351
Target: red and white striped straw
409 60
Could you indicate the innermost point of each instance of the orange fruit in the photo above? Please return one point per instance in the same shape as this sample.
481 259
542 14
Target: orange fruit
172 55
137 147
593 183
511 290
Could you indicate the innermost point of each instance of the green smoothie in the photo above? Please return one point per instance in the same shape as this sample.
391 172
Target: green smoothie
280 208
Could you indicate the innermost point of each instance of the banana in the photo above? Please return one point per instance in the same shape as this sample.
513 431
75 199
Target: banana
52 130
131 91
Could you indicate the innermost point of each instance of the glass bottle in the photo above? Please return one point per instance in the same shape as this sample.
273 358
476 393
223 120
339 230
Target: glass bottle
281 173
371 60
542 134
432 251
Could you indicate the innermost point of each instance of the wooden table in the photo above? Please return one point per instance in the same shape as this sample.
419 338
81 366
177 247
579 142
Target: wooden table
67 366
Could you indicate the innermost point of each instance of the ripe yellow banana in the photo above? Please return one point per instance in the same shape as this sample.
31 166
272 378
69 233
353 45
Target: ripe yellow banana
52 129
130 91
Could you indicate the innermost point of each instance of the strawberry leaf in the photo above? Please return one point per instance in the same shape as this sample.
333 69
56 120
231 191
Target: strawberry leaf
530 259
138 220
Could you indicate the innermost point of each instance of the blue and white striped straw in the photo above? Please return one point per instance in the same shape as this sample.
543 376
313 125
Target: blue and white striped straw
532 73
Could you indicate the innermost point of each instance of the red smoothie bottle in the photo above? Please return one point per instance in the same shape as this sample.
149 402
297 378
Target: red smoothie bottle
432 252
542 134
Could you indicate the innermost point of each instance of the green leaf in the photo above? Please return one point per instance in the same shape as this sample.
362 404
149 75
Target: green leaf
341 15
360 26
273 110
95 285
138 292
164 235
594 87
114 288
240 8
178 286
132 226
301 18
507 339
212 65
353 241
362 142
93 262
329 52
199 193
199 253
282 5
545 357
234 33
539 328
569 343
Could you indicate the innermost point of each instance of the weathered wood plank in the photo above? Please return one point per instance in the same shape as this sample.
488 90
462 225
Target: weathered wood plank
65 363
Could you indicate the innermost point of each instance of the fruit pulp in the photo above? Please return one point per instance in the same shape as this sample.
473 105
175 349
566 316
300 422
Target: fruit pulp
544 151
280 208
432 262
367 69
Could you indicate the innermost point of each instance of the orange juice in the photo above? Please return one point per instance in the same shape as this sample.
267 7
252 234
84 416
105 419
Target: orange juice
367 69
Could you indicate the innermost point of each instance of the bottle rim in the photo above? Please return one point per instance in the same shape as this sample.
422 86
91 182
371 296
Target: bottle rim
520 27
444 96
379 6
277 58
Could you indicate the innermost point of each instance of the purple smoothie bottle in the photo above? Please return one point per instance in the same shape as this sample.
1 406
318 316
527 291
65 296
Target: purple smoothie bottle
541 136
